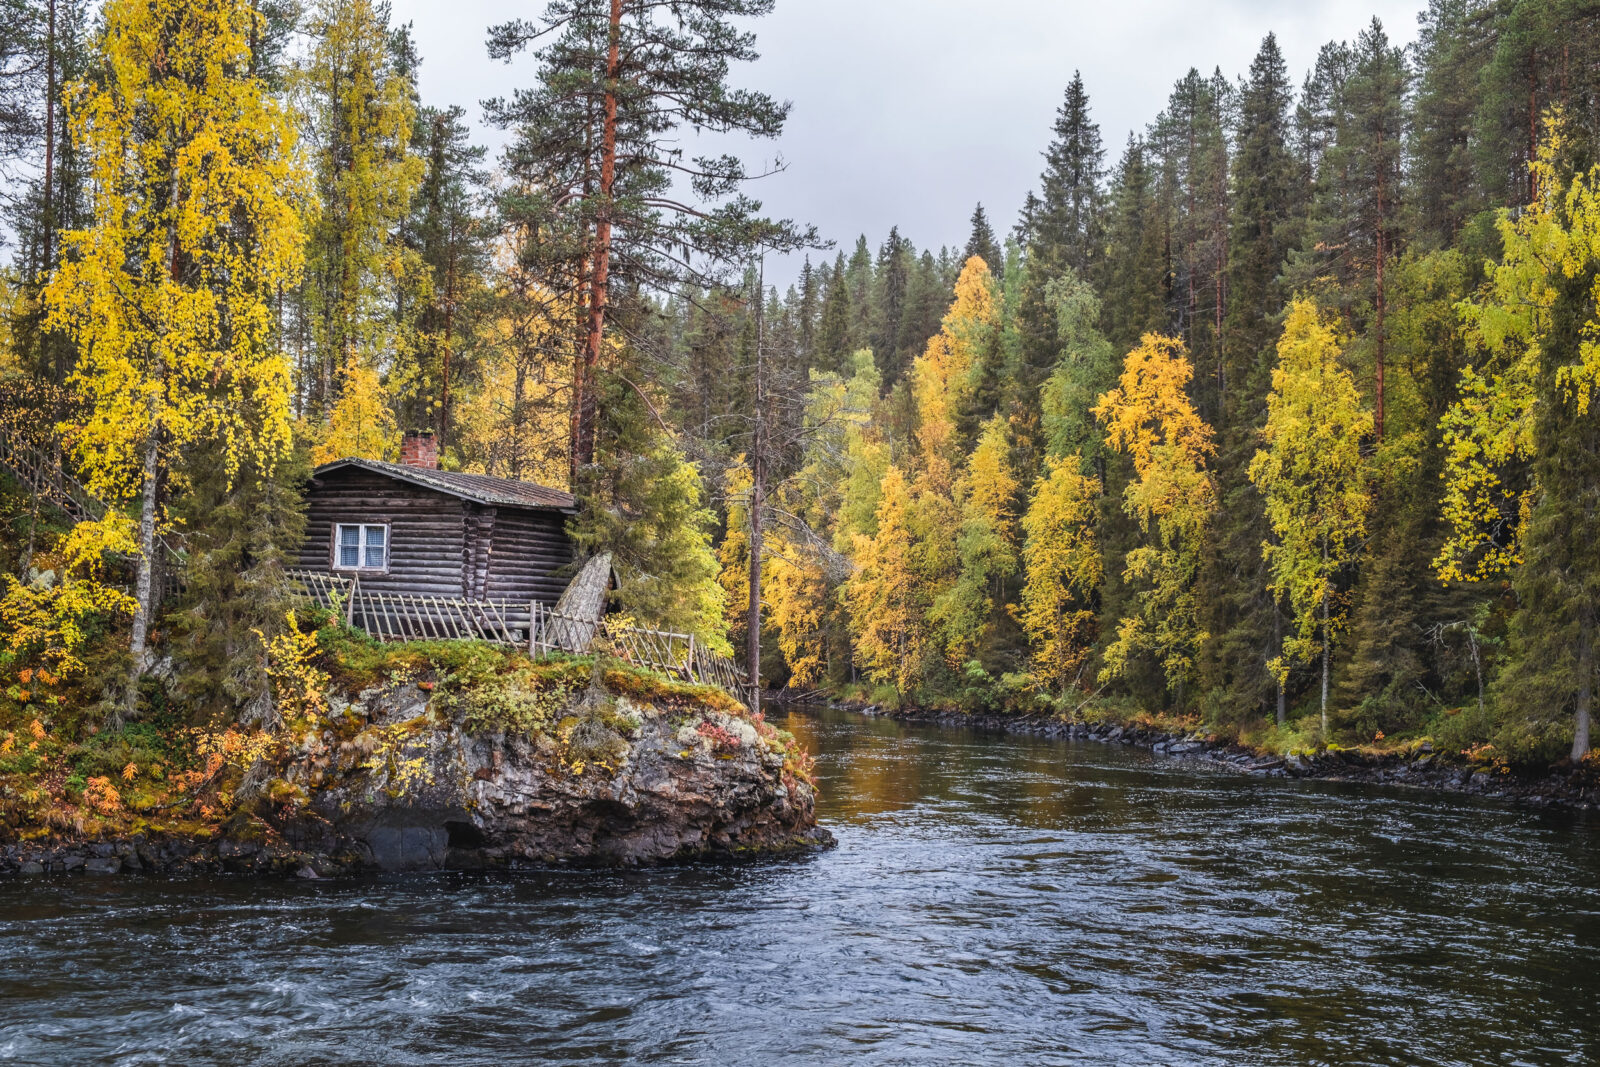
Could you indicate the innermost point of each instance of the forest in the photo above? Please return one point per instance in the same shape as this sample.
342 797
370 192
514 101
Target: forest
1275 418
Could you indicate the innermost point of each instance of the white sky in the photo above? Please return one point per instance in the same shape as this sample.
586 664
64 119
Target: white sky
909 112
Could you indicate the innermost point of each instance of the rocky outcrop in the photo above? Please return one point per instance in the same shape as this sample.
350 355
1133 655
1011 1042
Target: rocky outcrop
675 783
393 783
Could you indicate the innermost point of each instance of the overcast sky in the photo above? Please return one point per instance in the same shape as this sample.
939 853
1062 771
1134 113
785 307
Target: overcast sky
909 112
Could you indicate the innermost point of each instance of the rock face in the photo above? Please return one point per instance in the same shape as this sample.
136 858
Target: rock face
674 784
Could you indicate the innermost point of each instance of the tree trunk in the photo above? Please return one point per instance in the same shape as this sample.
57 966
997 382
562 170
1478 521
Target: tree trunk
143 590
1580 737
48 220
1327 661
587 413
1377 416
1277 639
753 618
758 475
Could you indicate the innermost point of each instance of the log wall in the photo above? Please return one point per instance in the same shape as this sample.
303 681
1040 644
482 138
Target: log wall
427 530
531 558
440 545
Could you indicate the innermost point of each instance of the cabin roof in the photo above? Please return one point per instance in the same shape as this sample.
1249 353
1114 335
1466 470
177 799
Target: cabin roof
478 488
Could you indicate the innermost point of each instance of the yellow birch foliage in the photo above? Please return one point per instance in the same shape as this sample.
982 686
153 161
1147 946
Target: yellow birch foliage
45 624
733 554
362 425
1490 427
169 294
1148 416
887 596
941 376
1063 568
358 110
795 596
985 545
1311 477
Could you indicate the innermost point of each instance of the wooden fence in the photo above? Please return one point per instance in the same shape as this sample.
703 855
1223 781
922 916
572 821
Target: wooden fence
540 630
41 470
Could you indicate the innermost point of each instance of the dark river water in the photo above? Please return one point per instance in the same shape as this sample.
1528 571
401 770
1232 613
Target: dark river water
992 900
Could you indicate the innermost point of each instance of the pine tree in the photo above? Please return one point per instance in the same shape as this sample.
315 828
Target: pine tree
892 279
359 110
1451 54
452 240
597 146
1190 140
1133 279
1066 229
834 346
1239 611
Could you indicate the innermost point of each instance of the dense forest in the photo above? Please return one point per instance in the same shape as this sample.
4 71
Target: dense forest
1277 417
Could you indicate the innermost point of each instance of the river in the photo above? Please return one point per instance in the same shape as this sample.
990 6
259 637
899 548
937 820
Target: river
993 899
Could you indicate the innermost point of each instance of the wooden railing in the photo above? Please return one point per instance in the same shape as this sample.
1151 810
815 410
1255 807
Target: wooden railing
541 630
41 470
43 474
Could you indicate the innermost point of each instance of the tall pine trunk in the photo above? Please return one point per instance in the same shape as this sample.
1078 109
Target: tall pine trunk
758 476
585 400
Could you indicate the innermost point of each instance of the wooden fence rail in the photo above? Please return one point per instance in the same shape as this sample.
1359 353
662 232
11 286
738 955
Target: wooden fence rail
41 470
540 630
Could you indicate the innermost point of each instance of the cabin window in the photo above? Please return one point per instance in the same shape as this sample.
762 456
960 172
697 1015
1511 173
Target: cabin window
360 547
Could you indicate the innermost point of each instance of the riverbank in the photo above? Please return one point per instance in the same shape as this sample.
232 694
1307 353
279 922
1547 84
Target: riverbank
442 756
1417 766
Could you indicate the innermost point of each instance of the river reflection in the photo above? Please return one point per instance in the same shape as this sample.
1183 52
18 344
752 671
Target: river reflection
992 900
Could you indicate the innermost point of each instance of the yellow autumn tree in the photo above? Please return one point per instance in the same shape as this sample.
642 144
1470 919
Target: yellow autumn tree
362 425
514 417
1148 417
357 106
818 513
967 612
1063 568
1491 429
888 598
1523 451
170 292
1313 481
733 555
941 378
796 595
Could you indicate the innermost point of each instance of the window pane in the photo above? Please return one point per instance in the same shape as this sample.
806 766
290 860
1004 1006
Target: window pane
377 542
349 546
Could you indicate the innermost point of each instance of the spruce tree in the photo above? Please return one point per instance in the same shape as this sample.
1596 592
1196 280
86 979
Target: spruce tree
834 343
1133 279
1241 614
892 280
982 243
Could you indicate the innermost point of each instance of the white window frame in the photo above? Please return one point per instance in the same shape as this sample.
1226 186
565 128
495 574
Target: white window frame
361 544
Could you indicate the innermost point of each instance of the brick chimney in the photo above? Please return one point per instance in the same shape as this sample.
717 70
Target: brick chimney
419 449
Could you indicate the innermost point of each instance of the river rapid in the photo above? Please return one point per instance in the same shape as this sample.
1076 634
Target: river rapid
993 899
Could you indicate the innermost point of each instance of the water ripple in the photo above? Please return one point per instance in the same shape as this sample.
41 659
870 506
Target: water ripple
993 900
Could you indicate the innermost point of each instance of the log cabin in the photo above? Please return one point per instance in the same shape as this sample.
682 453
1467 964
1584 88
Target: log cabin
411 528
